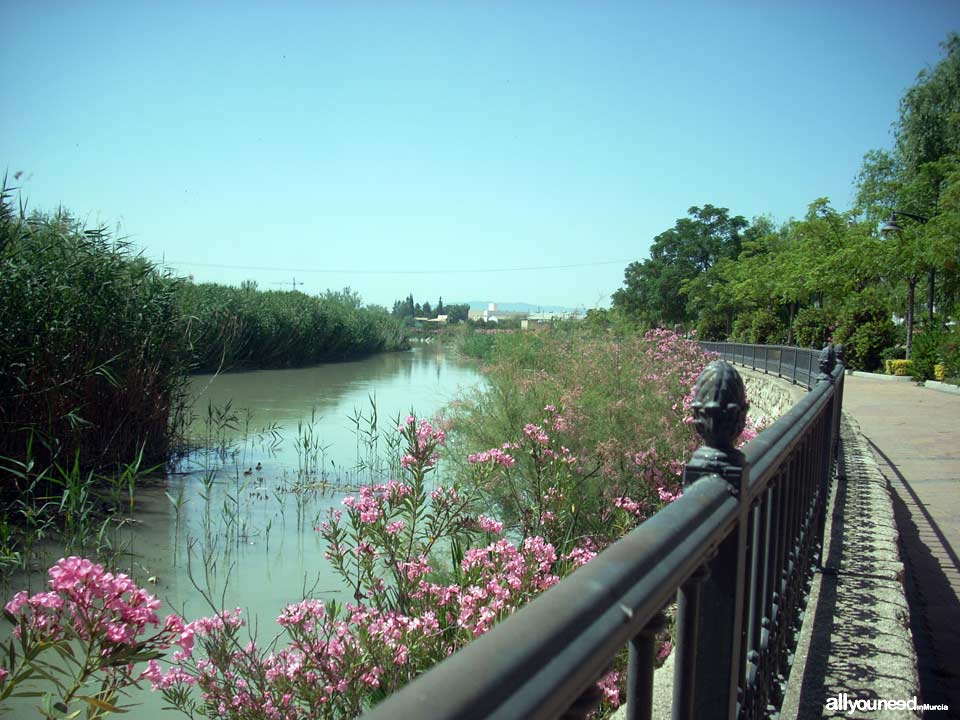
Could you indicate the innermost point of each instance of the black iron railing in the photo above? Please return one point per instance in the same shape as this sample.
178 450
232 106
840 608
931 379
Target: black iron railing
736 551
798 365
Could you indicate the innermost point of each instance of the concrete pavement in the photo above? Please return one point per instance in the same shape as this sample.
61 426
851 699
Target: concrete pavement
914 433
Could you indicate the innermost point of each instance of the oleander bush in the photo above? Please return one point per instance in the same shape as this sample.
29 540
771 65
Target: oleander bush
618 405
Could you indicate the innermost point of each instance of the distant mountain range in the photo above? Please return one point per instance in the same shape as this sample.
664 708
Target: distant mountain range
518 307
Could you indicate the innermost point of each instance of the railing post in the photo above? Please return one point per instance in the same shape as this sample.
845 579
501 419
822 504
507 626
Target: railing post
827 363
710 612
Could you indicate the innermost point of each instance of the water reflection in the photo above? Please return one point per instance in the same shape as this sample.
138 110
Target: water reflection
245 536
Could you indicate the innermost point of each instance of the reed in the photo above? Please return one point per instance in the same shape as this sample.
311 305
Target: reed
242 328
91 357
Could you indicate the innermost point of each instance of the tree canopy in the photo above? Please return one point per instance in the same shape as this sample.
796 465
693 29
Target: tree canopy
828 274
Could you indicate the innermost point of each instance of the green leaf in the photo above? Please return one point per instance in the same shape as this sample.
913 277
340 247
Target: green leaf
95 702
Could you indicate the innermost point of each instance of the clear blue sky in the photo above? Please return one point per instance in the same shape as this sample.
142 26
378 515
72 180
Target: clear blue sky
376 138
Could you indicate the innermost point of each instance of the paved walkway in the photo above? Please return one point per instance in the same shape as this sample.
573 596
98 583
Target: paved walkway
914 433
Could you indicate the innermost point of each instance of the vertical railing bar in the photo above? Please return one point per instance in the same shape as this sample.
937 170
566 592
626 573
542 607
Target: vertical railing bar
684 672
640 668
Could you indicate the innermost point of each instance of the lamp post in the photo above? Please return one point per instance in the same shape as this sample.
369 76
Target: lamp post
890 227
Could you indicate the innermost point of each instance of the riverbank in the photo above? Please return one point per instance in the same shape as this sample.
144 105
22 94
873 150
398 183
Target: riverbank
251 540
97 348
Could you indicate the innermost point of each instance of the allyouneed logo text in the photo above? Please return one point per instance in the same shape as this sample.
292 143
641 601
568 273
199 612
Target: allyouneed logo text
844 703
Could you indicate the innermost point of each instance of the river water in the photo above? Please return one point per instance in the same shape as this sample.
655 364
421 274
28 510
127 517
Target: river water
235 522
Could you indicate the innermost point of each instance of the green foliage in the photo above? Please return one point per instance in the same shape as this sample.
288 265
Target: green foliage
865 343
712 326
950 352
813 327
866 330
709 267
654 290
894 352
91 353
616 403
235 329
900 368
474 344
408 309
759 326
925 353
929 126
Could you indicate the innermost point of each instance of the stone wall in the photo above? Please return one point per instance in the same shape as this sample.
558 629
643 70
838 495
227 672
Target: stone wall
769 395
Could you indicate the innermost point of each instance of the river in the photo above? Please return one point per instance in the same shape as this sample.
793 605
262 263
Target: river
236 520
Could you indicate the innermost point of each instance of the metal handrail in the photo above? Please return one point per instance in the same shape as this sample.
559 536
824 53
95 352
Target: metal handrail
736 550
800 368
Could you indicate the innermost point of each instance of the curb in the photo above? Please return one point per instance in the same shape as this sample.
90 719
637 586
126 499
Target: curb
880 376
856 637
942 387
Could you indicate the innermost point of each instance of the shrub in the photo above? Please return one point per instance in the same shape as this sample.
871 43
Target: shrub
950 352
619 405
759 326
925 353
813 327
712 325
864 345
329 660
895 352
243 328
901 368
865 329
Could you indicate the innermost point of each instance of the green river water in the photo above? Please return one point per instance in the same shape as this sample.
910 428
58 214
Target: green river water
248 537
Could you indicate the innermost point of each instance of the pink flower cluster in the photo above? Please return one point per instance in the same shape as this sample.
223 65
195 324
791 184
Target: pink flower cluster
489 525
94 603
423 439
536 433
495 456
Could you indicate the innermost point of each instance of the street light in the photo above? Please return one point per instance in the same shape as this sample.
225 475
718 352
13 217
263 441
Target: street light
891 226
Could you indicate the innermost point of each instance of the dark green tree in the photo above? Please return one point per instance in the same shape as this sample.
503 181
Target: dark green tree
654 289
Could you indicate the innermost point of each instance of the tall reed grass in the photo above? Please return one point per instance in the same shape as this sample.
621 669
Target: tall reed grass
243 328
96 344
91 344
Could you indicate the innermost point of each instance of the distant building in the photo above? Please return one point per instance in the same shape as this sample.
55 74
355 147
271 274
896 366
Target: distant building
492 315
539 318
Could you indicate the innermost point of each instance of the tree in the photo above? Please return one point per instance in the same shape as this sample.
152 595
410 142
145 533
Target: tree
457 313
929 124
654 288
440 310
427 310
915 177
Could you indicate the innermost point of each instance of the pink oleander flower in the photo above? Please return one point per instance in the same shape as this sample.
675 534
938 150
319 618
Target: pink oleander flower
536 433
495 456
489 525
664 651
